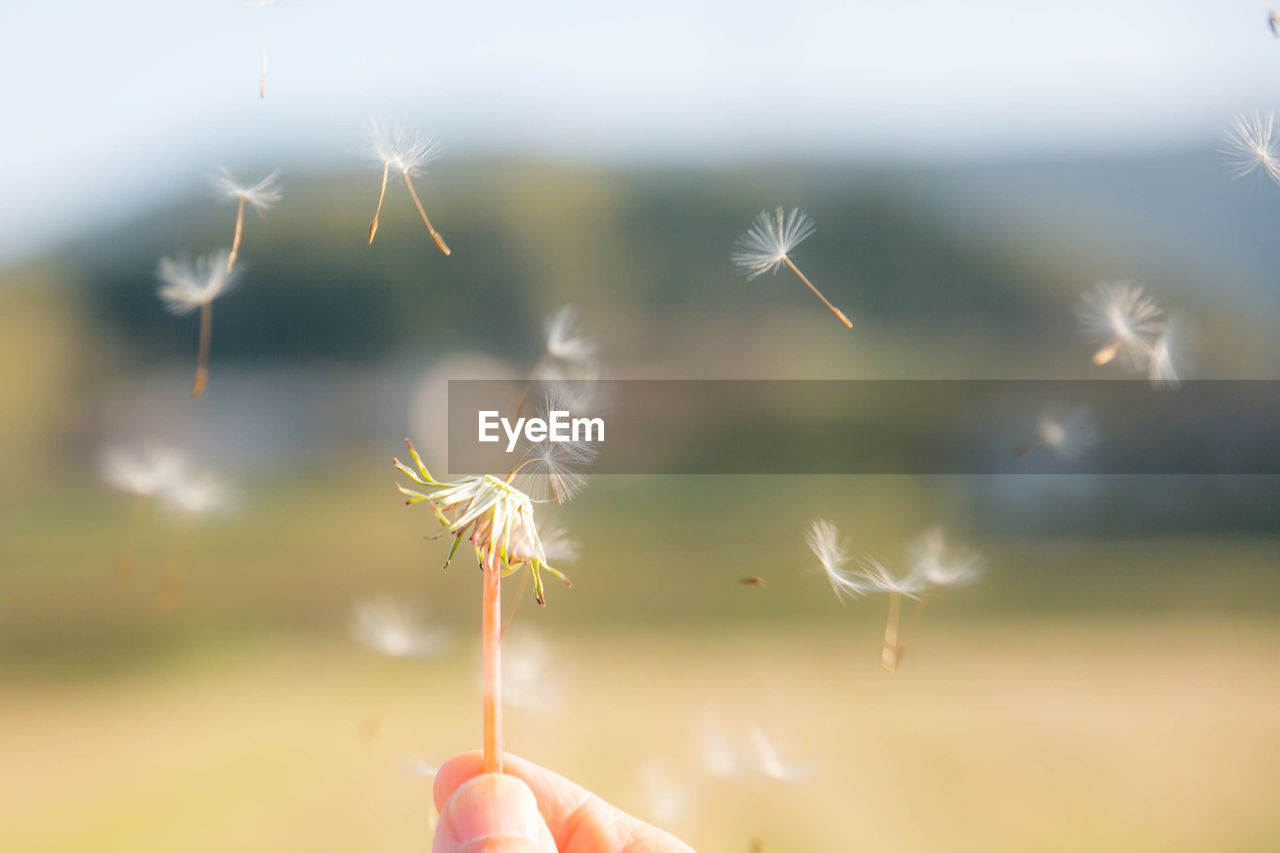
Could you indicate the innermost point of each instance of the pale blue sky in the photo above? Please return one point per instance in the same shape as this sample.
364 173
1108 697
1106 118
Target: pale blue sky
109 106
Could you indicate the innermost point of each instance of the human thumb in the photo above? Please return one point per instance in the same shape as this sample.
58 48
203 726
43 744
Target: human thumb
493 813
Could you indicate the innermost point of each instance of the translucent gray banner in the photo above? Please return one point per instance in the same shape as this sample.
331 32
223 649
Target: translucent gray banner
917 427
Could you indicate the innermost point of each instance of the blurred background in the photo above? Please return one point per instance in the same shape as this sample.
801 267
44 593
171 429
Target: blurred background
1111 681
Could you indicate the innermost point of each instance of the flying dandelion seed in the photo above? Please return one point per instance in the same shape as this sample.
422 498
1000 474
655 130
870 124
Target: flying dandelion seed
548 470
768 243
528 680
266 6
189 285
1250 148
499 520
142 475
192 496
1273 20
407 154
567 364
937 564
824 540
1168 353
394 629
753 580
769 762
260 196
666 796
716 752
874 576
1123 320
1066 433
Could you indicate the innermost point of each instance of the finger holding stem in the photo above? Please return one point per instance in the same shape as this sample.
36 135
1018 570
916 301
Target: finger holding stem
202 356
491 645
834 310
435 235
382 194
889 651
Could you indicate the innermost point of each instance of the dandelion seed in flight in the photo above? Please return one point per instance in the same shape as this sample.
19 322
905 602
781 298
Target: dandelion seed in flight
769 761
753 581
824 540
266 6
395 630
260 196
142 475
768 243
938 563
405 153
188 285
1167 354
874 576
1122 320
1066 433
1273 22
1250 146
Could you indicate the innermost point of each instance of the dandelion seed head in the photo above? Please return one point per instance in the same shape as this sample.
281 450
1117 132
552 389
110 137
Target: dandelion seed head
260 195
824 540
1250 148
559 547
144 473
403 150
395 629
565 339
934 560
1122 320
188 285
497 516
770 239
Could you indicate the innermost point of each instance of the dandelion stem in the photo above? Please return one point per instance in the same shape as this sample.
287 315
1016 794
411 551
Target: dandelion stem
235 238
435 235
202 356
124 559
491 649
889 651
834 310
382 194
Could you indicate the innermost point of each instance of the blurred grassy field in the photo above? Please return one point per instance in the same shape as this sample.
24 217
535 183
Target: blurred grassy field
1008 735
1091 693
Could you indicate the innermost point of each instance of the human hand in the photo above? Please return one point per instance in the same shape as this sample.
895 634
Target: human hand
531 810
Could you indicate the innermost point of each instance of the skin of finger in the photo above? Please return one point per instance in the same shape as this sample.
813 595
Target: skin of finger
579 821
495 814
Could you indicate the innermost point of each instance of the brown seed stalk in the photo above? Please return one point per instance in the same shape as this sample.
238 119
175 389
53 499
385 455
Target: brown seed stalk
834 310
435 235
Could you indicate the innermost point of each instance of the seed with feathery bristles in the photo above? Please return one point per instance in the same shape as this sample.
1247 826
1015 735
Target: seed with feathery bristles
824 540
260 196
874 576
770 763
188 285
939 564
1122 319
143 475
1250 147
1064 432
395 629
565 339
1167 355
406 153
768 243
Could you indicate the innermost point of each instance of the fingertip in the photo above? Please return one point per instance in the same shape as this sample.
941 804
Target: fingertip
492 813
453 773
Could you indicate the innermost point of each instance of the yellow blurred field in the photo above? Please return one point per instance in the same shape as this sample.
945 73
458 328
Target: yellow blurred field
1159 735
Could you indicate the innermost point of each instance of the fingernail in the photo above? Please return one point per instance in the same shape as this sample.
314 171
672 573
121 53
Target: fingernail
493 806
